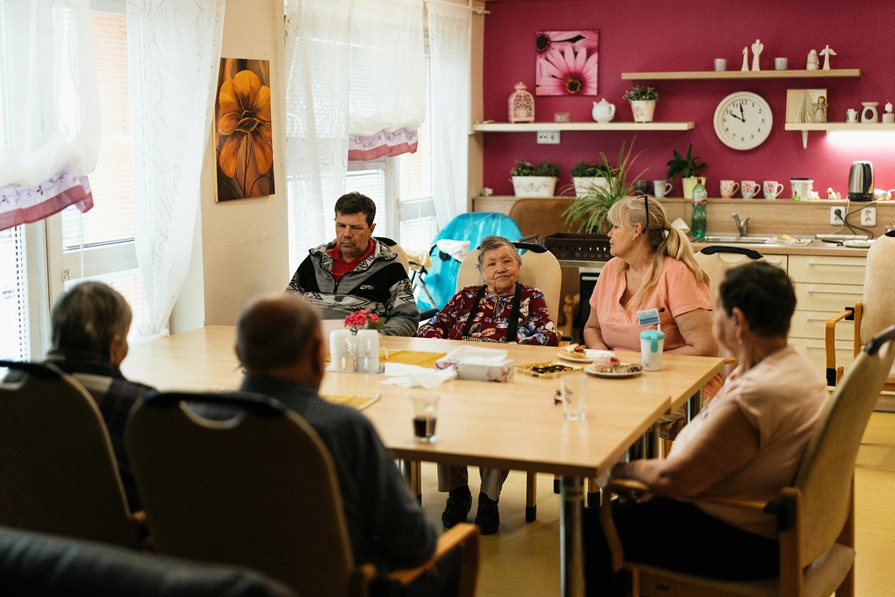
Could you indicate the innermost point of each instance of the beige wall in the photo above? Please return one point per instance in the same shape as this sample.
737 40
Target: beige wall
244 243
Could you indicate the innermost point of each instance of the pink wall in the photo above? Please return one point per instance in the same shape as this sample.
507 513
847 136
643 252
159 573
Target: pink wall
644 35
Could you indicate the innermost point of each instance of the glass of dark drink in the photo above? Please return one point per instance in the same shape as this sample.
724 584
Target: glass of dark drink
425 415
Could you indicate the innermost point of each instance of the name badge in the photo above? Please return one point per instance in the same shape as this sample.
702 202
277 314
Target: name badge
648 317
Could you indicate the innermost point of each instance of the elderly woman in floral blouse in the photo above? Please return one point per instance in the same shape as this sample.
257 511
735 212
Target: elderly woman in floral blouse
500 310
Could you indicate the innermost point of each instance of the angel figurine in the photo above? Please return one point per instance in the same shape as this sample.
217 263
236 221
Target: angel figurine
745 58
826 53
757 47
813 62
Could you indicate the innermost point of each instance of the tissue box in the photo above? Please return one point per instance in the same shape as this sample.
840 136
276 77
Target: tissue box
502 371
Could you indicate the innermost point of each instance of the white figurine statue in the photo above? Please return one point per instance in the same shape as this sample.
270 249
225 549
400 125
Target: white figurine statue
826 53
745 59
757 47
812 60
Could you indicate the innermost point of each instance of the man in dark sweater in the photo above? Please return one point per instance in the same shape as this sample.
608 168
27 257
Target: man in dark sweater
356 271
280 344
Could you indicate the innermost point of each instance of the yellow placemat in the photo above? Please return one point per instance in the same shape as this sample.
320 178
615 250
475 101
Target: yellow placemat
358 402
410 357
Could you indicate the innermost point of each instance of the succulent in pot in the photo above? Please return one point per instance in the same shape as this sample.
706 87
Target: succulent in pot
534 181
643 102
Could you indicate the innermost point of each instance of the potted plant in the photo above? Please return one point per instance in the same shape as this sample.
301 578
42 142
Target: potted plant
643 102
534 181
687 168
588 174
588 211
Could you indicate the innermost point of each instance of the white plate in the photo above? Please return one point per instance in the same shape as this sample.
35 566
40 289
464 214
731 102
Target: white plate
590 371
858 244
589 355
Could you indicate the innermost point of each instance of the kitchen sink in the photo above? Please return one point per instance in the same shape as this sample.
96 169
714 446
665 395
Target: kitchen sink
752 239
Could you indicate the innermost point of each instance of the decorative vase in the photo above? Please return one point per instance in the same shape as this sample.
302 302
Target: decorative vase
521 104
689 182
643 110
583 184
534 186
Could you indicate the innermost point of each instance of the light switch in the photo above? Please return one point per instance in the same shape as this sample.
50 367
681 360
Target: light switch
548 137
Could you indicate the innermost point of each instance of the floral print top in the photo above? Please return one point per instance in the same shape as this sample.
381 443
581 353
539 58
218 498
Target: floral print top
489 322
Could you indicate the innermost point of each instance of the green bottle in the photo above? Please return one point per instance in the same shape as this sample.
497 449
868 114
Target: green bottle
699 221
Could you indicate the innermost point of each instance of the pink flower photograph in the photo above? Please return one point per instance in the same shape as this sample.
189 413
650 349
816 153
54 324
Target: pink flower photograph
566 63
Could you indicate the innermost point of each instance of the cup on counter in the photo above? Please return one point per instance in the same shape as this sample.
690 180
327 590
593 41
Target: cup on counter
720 64
425 415
781 63
651 344
572 393
801 188
771 188
661 188
729 188
749 188
851 115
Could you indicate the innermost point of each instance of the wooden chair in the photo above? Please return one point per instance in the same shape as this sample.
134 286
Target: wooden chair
876 310
815 515
540 269
398 250
58 472
255 488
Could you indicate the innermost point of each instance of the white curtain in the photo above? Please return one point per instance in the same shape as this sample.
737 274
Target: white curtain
356 68
450 27
174 50
49 108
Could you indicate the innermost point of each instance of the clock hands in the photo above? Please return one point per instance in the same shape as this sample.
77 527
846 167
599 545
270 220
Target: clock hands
740 118
742 115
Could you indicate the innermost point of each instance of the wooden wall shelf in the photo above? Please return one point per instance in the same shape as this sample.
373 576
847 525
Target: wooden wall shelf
531 127
836 73
857 127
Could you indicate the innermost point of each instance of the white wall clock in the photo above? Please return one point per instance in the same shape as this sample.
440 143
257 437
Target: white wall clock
743 120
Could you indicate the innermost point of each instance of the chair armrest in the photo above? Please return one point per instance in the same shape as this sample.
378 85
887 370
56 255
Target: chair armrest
852 313
141 536
633 486
464 534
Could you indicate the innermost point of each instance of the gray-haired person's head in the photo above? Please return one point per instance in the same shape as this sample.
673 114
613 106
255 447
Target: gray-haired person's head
489 243
276 331
87 317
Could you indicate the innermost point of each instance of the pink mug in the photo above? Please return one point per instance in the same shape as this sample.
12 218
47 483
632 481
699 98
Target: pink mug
771 189
750 188
729 188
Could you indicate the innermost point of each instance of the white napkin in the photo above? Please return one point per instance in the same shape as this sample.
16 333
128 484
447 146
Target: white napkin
414 376
682 225
472 355
458 249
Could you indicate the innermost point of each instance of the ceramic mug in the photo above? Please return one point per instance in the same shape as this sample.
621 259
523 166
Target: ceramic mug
661 188
729 188
801 188
771 188
852 115
749 188
720 64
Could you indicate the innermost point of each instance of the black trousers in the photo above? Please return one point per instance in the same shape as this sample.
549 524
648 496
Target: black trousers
678 536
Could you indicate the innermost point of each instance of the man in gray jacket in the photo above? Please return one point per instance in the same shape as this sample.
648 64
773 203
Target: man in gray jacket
356 271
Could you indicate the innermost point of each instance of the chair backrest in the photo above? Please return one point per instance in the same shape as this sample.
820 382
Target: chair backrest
879 287
825 473
717 259
397 249
441 276
58 472
253 486
540 217
540 269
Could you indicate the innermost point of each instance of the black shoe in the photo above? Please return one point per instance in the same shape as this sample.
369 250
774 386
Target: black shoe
487 518
457 508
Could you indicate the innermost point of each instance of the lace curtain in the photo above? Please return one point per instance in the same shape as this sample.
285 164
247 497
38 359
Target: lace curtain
49 106
356 69
450 37
174 49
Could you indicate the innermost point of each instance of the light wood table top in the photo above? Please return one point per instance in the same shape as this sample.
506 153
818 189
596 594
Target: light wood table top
513 425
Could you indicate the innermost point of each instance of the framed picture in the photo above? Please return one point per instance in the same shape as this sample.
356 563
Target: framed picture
242 130
806 105
566 63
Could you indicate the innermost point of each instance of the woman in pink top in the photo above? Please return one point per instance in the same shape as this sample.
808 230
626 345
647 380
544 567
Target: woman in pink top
653 268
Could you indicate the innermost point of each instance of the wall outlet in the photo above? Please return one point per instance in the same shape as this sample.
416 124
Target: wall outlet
836 214
868 216
548 137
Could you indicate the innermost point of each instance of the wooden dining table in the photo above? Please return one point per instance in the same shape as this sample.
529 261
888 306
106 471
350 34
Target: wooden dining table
514 425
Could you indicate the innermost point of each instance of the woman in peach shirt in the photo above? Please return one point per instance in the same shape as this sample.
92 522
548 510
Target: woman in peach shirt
652 268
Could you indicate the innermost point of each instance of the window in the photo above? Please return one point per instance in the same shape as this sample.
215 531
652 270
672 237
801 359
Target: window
14 314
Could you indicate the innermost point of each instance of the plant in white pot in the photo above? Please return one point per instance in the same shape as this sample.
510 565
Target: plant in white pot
643 102
589 174
534 181
688 168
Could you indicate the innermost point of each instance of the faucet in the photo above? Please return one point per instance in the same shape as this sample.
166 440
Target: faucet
742 225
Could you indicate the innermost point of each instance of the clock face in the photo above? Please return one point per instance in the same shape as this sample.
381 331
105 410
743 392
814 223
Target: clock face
743 120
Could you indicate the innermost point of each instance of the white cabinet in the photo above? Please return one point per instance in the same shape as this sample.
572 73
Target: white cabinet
824 286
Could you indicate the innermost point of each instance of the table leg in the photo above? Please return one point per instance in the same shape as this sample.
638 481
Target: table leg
571 538
694 404
412 472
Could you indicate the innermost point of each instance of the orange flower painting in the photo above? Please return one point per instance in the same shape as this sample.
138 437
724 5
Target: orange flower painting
243 136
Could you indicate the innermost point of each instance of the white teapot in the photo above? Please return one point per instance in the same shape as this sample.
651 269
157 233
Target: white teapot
603 111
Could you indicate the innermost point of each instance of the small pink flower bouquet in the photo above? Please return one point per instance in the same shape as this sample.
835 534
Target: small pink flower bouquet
363 319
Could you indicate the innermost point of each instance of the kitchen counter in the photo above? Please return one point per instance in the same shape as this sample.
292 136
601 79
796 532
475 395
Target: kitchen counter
815 248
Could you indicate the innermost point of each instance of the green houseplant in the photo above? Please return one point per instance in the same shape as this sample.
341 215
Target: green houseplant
587 174
588 211
534 181
688 169
643 102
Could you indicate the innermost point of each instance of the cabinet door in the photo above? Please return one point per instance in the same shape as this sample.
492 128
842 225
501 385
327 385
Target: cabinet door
816 352
830 270
829 298
812 324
